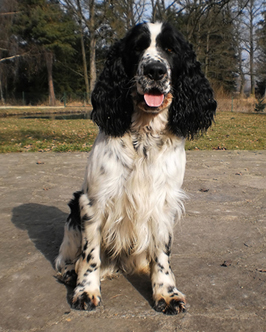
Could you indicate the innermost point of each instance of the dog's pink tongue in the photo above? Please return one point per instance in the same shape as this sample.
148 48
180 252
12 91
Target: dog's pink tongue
153 100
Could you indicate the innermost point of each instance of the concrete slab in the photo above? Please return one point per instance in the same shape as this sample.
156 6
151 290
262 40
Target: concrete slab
219 252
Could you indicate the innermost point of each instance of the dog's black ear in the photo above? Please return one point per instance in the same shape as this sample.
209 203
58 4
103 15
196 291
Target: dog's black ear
111 100
193 105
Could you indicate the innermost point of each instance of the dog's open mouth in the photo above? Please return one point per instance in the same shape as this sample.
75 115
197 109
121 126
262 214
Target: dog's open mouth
154 98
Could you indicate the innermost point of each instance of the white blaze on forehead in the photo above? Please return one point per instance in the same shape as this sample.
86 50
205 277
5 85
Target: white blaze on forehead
153 54
155 30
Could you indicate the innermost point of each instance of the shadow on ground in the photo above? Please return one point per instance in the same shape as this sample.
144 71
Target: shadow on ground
44 225
142 284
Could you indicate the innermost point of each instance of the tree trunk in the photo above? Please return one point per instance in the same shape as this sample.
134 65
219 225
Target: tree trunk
251 64
154 11
242 84
207 53
92 63
91 27
241 74
1 91
49 64
251 49
84 60
85 69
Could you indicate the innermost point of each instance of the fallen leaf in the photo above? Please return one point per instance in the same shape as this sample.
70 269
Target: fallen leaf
227 263
204 190
261 270
219 148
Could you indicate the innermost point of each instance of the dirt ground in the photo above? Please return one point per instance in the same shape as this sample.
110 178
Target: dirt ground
218 257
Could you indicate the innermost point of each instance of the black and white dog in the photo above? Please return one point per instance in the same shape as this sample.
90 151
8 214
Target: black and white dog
150 96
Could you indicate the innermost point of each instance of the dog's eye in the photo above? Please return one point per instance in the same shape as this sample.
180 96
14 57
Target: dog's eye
169 50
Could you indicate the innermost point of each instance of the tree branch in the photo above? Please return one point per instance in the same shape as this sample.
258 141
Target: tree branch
9 13
12 57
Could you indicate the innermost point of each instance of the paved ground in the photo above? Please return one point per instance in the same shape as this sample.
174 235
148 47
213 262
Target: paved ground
219 253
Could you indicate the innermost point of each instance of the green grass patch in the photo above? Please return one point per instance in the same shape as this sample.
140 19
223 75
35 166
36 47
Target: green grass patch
20 110
231 131
21 135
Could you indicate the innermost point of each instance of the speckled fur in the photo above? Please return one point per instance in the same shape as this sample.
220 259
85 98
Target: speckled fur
123 217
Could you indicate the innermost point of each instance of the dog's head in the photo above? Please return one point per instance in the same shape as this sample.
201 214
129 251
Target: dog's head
151 69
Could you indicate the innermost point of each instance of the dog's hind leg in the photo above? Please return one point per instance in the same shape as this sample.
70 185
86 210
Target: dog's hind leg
70 248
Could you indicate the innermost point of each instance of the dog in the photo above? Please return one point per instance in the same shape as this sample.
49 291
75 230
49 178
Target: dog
150 97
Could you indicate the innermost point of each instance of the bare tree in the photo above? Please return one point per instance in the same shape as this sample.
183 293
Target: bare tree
261 60
8 45
85 12
49 59
92 28
251 16
75 6
237 10
99 19
123 14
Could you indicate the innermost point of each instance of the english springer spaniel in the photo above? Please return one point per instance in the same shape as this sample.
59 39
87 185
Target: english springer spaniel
149 98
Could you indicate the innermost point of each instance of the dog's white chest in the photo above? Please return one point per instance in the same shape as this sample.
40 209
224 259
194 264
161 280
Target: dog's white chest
137 189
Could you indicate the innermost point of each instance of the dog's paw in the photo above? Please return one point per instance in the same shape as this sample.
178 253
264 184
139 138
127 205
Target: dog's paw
85 300
171 305
69 277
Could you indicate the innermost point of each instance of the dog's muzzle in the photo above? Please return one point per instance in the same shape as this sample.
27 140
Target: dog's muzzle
153 85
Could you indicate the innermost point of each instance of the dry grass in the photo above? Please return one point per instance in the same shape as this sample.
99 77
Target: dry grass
29 110
243 105
31 135
231 131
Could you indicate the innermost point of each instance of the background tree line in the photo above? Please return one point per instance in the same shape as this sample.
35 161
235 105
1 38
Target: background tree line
59 46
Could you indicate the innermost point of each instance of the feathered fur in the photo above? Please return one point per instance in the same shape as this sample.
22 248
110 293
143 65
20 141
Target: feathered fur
150 96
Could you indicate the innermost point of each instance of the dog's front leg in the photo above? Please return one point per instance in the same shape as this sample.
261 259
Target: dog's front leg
167 298
87 294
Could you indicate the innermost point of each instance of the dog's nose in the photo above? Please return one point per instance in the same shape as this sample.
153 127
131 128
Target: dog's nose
155 70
